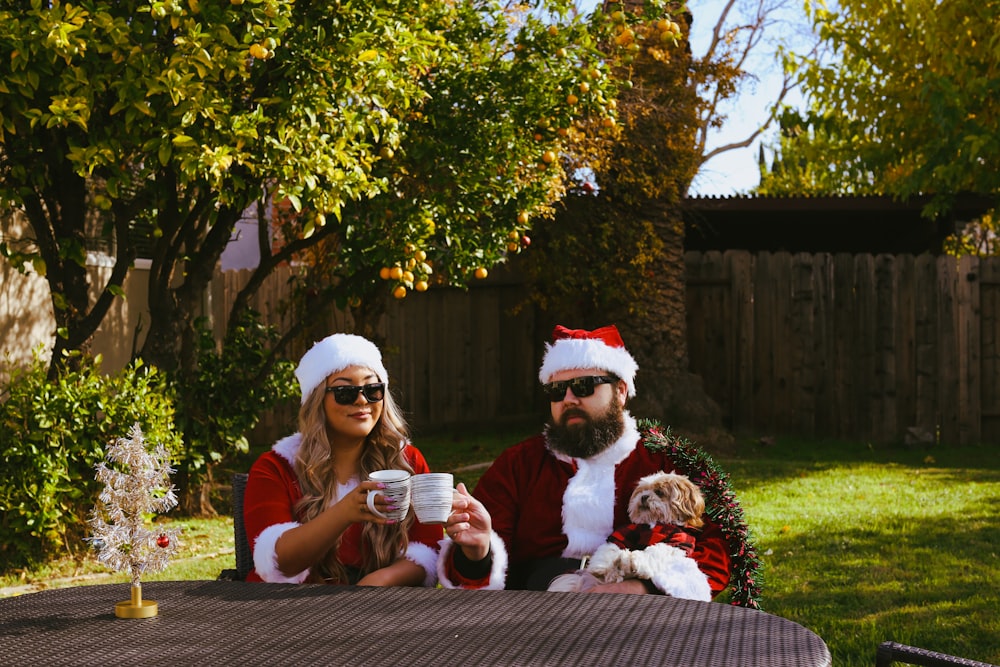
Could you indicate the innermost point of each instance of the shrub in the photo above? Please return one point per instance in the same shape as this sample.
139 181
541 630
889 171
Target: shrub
52 433
218 408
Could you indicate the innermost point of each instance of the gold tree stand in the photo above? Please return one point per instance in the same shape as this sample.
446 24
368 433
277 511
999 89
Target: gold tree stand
136 607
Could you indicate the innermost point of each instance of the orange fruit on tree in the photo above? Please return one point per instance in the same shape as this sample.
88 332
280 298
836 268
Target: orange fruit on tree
572 99
522 218
481 273
395 273
420 286
548 157
384 273
512 246
399 292
408 276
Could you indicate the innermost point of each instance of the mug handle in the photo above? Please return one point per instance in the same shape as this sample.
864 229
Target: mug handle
371 503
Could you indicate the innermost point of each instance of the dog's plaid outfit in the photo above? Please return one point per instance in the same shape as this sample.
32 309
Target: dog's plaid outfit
636 537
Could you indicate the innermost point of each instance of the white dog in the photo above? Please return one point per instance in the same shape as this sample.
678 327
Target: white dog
665 509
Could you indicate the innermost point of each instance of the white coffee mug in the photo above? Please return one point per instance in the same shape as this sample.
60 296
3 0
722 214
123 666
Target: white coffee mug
396 492
431 495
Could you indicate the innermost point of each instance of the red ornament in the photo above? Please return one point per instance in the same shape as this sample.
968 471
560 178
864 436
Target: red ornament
163 541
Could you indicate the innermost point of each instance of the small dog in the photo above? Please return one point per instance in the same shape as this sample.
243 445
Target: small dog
665 509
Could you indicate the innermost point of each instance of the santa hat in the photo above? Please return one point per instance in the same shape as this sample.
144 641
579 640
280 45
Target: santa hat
335 353
602 348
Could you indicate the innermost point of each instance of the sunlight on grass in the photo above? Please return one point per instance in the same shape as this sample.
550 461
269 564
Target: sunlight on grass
205 549
863 552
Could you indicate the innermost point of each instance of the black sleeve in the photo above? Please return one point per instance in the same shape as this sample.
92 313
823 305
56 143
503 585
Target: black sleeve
472 569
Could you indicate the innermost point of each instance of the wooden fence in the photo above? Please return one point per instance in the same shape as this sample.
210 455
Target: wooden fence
841 346
848 346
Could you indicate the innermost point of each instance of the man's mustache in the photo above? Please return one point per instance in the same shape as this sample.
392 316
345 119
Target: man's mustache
573 412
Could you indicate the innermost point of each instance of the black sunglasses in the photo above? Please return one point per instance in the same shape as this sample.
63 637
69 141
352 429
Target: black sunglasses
346 394
581 386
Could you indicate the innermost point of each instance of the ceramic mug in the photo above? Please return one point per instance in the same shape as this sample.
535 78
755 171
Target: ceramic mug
431 495
396 492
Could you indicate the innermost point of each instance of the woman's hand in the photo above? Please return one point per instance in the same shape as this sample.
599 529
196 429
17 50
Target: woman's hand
469 525
355 504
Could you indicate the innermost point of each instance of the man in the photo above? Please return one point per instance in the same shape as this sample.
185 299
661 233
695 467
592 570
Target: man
549 502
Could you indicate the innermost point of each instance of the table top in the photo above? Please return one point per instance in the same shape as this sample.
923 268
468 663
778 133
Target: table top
224 622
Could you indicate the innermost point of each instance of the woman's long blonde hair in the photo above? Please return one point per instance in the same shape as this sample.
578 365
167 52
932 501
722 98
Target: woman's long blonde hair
314 466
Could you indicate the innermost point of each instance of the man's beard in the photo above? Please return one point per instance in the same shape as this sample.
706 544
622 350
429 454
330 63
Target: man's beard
589 438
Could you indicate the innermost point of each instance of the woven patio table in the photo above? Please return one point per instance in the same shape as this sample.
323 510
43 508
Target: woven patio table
236 623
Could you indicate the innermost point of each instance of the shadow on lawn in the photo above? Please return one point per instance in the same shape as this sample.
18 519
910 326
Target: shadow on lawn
925 583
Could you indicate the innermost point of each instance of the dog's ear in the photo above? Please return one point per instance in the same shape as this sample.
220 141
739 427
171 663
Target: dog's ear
688 503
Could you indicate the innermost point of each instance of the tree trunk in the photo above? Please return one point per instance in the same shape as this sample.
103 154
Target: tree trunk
666 389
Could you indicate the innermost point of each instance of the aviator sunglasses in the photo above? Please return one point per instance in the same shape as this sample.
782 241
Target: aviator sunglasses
346 394
581 386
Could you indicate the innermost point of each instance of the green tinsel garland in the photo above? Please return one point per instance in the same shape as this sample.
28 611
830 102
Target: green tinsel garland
721 506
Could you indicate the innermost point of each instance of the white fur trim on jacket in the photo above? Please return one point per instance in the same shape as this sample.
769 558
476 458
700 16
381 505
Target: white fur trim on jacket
675 573
288 448
498 570
425 557
265 556
588 510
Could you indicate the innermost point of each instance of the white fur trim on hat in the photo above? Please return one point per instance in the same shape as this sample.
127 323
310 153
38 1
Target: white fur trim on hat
335 353
579 353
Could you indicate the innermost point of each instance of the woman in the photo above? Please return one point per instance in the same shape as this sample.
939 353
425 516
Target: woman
305 507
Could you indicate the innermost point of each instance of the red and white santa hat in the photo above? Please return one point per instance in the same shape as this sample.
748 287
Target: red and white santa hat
573 349
335 353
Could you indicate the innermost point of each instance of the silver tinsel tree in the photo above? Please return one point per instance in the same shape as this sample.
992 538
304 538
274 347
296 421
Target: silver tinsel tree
136 481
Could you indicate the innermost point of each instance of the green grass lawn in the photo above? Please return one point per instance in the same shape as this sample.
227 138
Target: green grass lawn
860 543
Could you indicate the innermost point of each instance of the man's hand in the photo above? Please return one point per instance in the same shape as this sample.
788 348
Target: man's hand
469 525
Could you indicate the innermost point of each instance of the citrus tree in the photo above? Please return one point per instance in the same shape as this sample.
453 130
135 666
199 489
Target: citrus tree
416 137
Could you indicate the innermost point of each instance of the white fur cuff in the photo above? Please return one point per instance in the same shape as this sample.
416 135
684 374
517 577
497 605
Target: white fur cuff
498 569
265 556
676 574
425 557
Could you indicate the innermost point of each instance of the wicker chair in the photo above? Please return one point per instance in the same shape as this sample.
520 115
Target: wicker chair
244 557
890 652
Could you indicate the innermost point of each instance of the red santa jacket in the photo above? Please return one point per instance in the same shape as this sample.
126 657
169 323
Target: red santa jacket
546 505
268 511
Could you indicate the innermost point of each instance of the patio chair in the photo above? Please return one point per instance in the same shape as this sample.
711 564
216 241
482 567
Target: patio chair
244 557
890 652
